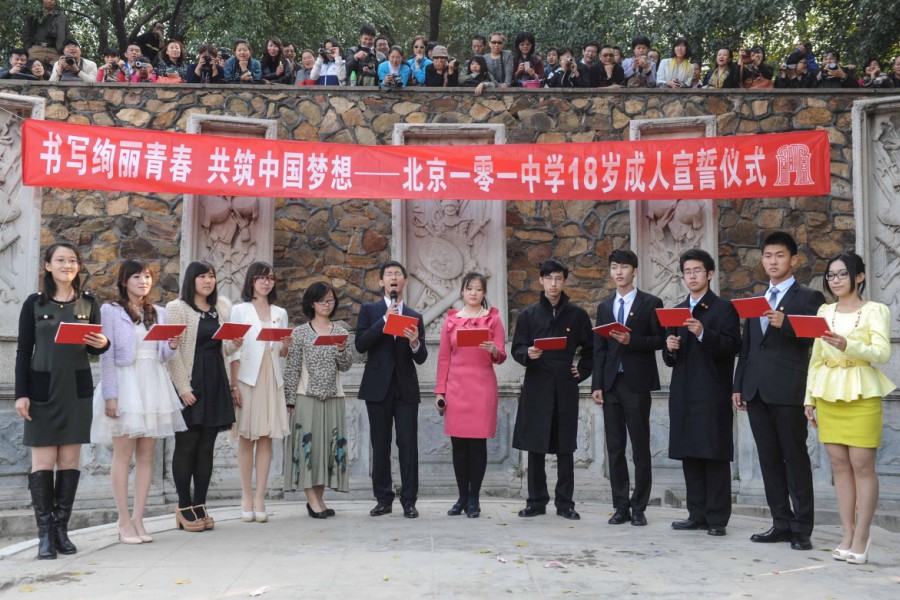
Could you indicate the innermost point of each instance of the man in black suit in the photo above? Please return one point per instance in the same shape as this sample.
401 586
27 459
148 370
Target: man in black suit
701 354
547 418
390 387
770 383
624 375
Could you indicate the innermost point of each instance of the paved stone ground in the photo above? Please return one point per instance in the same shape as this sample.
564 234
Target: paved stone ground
499 555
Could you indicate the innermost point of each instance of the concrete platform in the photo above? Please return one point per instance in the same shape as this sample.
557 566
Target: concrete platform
353 555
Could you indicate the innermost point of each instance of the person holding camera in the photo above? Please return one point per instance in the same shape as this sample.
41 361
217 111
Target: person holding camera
362 61
875 77
443 71
330 67
676 71
611 74
172 63
275 67
207 68
640 71
242 67
753 71
109 71
795 73
71 67
394 73
833 75
152 42
18 57
143 71
419 61
566 74
527 64
725 74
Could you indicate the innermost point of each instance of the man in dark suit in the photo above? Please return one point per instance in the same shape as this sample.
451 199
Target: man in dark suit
624 375
701 354
390 387
547 418
770 383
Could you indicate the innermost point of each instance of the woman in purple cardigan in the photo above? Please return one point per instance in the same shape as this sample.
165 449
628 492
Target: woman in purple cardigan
135 402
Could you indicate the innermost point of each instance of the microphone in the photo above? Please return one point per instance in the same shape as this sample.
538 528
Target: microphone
674 332
393 296
441 404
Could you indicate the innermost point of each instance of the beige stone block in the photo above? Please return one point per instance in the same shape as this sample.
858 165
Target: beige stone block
813 116
620 119
79 120
634 106
311 112
117 206
330 124
212 100
133 116
551 138
534 235
384 123
365 136
776 123
760 108
404 108
56 112
479 112
673 109
90 207
416 117
341 104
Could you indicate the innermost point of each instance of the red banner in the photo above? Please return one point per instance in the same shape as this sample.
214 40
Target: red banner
63 155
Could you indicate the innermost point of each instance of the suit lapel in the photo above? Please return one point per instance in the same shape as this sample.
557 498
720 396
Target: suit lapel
782 302
635 307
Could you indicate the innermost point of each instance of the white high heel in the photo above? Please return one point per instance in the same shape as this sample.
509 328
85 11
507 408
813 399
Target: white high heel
859 559
247 516
261 516
840 554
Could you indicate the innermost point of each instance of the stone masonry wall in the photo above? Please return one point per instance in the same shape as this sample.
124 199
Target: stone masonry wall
346 240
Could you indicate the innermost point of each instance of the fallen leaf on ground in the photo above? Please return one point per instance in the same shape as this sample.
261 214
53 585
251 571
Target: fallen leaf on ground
484 551
27 588
182 581
260 591
522 544
554 564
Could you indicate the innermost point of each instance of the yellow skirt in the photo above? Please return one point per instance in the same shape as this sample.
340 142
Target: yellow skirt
856 423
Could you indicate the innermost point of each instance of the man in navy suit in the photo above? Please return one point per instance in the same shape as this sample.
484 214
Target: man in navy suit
624 375
770 384
701 354
390 387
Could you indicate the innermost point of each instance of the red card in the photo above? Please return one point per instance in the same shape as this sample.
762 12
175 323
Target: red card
607 329
330 340
163 333
673 317
397 323
751 308
472 337
273 334
554 343
809 327
73 333
231 331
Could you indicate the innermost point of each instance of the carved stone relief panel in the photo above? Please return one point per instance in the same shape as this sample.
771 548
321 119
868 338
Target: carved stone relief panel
439 241
231 232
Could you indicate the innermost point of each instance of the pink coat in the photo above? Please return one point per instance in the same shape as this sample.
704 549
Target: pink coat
466 377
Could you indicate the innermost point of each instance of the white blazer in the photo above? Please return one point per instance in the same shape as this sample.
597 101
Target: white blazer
251 352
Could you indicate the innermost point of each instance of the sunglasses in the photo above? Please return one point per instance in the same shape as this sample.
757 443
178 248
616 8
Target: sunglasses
496 41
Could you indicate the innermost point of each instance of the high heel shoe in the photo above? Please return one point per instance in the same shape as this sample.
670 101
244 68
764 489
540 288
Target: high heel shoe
181 522
840 554
261 516
473 511
314 514
146 538
457 509
127 539
247 516
859 559
203 516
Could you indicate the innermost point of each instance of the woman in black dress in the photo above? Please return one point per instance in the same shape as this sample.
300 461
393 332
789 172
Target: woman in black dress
201 380
53 393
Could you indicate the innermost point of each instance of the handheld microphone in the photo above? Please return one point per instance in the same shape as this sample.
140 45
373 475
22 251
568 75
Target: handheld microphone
393 296
673 331
441 404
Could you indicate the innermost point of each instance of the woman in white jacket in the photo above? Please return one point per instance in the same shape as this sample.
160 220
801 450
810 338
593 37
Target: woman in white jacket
330 68
256 373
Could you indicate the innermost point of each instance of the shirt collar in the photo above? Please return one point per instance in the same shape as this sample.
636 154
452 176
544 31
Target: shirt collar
629 297
781 287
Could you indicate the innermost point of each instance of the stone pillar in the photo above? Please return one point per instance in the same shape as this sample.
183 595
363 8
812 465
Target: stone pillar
20 222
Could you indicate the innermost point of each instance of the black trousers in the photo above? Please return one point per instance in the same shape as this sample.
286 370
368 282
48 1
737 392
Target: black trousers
708 484
469 465
538 495
780 433
628 413
383 416
192 460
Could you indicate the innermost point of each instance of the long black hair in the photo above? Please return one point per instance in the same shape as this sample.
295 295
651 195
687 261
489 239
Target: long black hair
189 285
854 265
128 269
49 285
258 269
473 276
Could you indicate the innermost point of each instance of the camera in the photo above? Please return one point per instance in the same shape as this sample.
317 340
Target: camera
207 59
831 66
140 65
324 53
25 71
569 60
70 61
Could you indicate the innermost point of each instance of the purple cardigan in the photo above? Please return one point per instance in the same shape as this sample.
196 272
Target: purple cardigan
119 330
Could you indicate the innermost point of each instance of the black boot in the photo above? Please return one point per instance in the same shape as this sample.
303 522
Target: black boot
41 485
66 486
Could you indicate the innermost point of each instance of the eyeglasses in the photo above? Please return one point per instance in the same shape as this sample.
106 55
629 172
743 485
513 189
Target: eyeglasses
265 278
325 302
607 56
496 41
694 272
831 275
418 47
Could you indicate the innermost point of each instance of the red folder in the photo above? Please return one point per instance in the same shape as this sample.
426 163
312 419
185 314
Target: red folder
396 324
73 333
164 333
607 329
273 334
330 340
673 317
554 343
751 308
472 337
231 331
809 327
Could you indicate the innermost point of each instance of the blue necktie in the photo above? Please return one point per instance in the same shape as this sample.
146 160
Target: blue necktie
620 317
773 302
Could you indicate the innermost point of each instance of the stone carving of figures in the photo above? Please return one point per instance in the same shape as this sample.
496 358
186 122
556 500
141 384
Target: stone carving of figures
885 253
674 227
227 223
10 184
448 238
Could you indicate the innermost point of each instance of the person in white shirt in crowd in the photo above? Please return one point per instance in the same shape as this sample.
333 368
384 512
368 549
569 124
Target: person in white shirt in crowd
71 67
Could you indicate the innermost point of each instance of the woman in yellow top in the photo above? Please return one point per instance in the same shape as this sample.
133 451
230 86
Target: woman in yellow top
843 397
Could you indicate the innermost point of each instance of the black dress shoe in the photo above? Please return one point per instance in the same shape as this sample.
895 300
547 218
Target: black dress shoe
533 511
410 512
638 519
622 515
473 511
329 512
688 524
716 531
800 541
380 509
316 515
568 513
771 536
458 508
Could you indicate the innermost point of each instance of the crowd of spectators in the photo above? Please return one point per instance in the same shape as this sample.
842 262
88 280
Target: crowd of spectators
50 53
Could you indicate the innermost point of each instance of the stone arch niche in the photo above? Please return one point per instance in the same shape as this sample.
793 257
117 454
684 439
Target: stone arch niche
231 232
439 241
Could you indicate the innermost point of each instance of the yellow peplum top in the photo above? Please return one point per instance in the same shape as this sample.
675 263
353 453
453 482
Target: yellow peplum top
850 375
